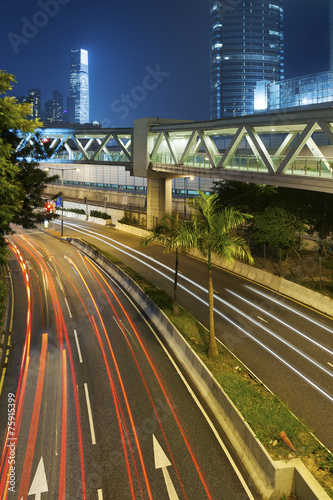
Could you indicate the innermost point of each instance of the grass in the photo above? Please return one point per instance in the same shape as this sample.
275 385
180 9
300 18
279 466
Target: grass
265 413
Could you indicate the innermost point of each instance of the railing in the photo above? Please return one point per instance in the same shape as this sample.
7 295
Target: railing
102 157
302 165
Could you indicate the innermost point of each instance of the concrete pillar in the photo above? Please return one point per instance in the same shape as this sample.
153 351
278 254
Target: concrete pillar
159 200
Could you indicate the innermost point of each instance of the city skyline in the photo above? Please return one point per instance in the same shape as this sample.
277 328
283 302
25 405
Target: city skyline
157 66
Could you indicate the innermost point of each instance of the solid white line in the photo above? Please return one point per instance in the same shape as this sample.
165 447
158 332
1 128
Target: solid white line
91 423
69 311
100 494
78 346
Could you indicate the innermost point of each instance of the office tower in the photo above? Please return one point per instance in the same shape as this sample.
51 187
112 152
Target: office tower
34 98
69 112
79 85
246 46
58 106
48 111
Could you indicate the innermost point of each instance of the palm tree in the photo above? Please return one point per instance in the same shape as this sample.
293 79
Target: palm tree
212 230
166 233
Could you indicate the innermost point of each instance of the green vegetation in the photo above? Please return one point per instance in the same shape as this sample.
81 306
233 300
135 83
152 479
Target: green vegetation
263 411
212 229
130 219
76 211
100 215
21 181
166 233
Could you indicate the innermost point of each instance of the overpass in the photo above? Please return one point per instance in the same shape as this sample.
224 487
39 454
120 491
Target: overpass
280 148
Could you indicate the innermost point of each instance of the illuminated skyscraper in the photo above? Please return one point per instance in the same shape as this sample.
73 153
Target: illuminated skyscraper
35 99
79 85
246 46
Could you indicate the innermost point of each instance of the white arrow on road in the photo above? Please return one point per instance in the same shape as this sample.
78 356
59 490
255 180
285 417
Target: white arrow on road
162 462
39 484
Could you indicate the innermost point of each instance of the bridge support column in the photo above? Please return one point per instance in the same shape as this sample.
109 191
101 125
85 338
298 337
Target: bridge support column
159 200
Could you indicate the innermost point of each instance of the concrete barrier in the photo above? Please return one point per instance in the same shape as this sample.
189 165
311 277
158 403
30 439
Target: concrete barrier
95 220
273 479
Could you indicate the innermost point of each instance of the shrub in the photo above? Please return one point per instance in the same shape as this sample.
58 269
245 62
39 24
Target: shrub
101 215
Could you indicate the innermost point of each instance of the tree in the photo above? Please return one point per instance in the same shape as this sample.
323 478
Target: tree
213 230
246 197
166 233
21 181
278 228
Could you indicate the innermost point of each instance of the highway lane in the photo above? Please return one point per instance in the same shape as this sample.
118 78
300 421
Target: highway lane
287 345
100 410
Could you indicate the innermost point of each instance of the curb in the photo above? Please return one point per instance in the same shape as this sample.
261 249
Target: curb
273 479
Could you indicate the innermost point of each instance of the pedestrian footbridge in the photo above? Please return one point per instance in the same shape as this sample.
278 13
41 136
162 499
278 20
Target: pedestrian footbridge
291 149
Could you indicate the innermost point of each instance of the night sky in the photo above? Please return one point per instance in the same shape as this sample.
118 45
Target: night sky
127 41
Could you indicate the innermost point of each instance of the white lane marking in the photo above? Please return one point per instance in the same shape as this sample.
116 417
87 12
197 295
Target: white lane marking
84 230
292 309
91 423
69 311
100 494
309 339
49 265
39 483
78 346
208 420
162 462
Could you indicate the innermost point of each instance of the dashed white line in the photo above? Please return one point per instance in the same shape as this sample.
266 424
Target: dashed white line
91 423
78 346
69 311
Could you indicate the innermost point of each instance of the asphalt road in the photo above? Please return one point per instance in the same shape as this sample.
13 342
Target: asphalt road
289 346
92 406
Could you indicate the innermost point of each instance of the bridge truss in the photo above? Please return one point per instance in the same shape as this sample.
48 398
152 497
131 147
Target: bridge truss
89 146
238 149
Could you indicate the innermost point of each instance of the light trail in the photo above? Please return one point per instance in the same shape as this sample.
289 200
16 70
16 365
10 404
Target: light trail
290 309
298 332
62 475
161 383
29 454
61 331
129 412
5 451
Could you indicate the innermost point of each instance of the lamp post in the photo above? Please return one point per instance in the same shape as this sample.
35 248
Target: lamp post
62 191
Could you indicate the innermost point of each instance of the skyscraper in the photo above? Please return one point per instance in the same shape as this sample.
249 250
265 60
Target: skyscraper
79 85
35 99
58 106
246 46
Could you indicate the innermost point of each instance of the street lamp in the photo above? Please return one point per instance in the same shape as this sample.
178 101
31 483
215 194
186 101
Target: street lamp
62 191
